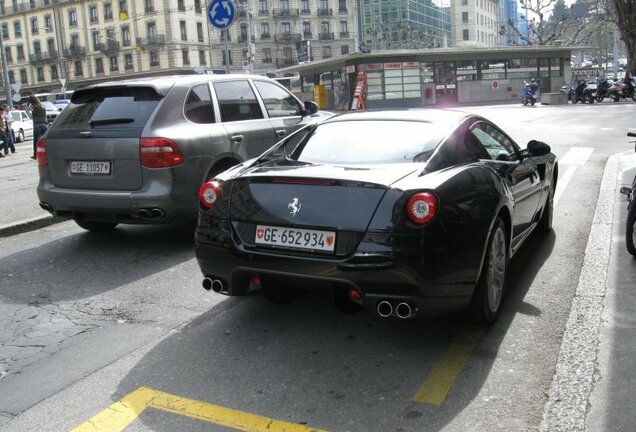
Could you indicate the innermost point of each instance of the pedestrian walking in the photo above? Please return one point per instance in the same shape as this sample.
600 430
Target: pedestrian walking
7 120
38 112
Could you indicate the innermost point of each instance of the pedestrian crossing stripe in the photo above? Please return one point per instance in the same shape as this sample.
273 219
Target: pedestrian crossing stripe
123 412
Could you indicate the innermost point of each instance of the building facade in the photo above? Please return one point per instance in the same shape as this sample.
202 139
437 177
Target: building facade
51 45
476 23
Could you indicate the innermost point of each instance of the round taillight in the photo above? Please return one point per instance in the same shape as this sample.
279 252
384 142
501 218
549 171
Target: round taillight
209 193
422 207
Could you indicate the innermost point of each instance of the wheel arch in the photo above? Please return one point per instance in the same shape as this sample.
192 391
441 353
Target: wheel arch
219 166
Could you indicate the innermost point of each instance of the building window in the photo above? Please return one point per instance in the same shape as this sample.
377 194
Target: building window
34 27
324 27
284 5
54 74
200 32
11 77
23 77
326 51
202 60
128 61
465 35
262 7
78 68
48 23
307 28
197 6
99 65
95 38
7 53
108 11
344 49
267 55
72 18
304 6
344 29
149 6
37 48
285 28
20 49
342 5
114 64
151 30
181 5
50 45
125 36
154 58
464 2
17 29
185 56
464 17
123 10
40 74
324 5
92 12
184 31
264 30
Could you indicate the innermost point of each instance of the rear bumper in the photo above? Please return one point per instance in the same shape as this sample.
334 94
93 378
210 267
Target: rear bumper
375 281
121 206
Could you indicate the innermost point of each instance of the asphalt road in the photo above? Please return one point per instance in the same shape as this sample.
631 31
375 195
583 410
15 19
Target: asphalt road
113 331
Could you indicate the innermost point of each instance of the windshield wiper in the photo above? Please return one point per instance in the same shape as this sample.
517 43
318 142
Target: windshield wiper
114 120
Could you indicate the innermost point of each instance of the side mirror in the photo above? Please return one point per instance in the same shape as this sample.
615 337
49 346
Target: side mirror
311 107
538 148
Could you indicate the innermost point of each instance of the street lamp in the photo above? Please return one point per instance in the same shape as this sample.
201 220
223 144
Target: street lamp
5 71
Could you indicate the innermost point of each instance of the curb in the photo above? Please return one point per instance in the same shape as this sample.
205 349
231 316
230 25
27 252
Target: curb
27 225
566 408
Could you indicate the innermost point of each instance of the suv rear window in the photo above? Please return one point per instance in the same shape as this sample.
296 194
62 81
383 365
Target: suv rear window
120 107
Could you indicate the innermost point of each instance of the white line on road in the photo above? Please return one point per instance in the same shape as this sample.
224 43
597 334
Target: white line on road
575 157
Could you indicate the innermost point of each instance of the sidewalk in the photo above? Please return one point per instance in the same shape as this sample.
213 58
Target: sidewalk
21 211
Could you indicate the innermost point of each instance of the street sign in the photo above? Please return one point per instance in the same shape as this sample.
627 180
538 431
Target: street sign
221 13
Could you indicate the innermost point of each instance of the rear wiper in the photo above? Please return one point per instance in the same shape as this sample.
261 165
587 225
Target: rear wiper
113 120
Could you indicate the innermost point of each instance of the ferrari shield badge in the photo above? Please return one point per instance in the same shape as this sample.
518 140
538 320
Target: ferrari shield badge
294 207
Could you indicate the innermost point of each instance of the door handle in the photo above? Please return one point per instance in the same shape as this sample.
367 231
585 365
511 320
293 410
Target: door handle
236 138
281 132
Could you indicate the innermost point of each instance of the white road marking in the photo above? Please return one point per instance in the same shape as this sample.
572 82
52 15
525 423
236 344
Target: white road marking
575 157
562 183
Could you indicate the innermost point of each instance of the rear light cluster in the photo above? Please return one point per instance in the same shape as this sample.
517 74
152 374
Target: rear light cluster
422 207
209 193
41 152
159 153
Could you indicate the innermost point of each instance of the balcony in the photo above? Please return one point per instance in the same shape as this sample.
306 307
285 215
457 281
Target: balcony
325 12
308 35
287 37
152 40
284 62
243 38
325 36
263 12
305 11
343 9
285 12
265 36
344 34
43 57
109 47
267 60
74 51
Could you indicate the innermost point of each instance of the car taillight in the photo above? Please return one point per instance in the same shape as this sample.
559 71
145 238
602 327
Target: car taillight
159 153
41 153
422 207
209 193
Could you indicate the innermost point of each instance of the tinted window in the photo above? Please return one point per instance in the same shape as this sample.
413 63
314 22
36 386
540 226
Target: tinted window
371 142
198 106
278 102
109 107
237 101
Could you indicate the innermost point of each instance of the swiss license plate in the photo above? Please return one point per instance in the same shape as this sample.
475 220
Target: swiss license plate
295 238
90 167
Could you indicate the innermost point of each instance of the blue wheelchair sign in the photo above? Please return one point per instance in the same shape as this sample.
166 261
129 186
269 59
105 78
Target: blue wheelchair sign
221 13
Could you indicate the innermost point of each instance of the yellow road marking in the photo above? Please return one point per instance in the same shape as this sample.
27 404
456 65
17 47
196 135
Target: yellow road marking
443 376
120 414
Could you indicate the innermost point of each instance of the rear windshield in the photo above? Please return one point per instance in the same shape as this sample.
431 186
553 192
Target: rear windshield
109 107
363 142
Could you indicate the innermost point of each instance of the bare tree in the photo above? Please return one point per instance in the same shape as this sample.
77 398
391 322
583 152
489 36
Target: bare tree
547 27
623 12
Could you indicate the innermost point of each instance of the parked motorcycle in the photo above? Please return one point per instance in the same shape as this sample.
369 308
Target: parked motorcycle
630 225
622 90
583 92
529 92
603 89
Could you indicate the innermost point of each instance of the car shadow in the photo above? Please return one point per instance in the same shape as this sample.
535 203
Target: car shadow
308 364
83 264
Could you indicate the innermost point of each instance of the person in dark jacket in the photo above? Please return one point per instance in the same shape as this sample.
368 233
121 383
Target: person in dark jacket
39 122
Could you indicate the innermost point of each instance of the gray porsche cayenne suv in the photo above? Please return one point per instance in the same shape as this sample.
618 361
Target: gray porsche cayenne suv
136 151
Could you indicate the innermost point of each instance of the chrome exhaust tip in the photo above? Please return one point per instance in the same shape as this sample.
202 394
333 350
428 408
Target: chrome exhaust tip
144 213
157 213
404 310
384 309
217 286
207 284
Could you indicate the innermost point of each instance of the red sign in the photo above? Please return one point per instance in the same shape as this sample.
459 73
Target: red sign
410 65
495 84
392 65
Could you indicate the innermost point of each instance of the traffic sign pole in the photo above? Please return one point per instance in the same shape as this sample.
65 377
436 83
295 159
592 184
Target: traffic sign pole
221 14
227 51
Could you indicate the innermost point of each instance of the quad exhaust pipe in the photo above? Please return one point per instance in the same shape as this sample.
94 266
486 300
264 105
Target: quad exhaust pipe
213 284
401 309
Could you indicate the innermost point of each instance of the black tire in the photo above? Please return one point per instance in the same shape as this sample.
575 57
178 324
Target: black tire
95 226
524 101
590 98
616 97
600 98
545 223
488 296
574 100
19 137
630 229
533 101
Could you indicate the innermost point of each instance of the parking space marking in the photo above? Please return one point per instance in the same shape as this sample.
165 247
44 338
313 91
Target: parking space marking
123 412
441 379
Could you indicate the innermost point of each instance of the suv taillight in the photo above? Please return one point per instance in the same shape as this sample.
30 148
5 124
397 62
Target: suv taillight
159 153
41 152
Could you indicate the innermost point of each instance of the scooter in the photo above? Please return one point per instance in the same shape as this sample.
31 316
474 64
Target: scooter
622 90
583 92
603 89
529 93
630 225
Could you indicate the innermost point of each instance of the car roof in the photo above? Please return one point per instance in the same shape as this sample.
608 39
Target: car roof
431 115
164 83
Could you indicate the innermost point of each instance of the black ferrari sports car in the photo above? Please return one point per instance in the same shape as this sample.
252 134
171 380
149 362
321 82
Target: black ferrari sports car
405 213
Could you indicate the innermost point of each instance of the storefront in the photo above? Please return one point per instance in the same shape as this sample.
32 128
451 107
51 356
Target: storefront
412 78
